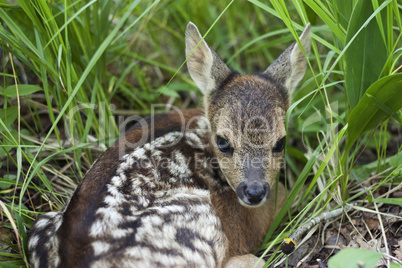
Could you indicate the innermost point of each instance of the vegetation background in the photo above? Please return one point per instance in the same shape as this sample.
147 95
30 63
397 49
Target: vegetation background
83 69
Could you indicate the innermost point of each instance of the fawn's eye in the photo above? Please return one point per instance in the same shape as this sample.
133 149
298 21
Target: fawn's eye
224 145
279 146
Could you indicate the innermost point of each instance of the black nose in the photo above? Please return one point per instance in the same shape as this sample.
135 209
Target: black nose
253 193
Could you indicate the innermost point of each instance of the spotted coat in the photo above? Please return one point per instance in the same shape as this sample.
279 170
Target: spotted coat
154 211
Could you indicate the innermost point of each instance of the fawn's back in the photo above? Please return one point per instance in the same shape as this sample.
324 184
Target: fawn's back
183 189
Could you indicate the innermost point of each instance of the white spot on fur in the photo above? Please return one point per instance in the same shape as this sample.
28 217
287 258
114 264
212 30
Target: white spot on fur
117 181
138 252
112 201
122 167
139 153
170 137
116 196
34 259
53 246
100 247
149 146
179 168
102 263
109 222
194 140
96 228
110 215
58 220
203 123
56 258
120 233
52 214
33 241
42 223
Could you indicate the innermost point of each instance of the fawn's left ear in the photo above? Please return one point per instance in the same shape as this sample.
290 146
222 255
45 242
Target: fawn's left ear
205 67
291 65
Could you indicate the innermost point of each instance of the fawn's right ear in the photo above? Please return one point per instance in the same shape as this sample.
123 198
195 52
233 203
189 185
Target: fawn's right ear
204 65
291 65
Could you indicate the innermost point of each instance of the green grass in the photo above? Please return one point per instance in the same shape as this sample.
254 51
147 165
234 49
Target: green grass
80 66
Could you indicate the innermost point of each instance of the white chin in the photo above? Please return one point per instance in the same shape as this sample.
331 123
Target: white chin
248 205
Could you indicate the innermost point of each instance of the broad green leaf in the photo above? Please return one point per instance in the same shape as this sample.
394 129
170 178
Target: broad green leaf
366 56
23 90
368 113
362 172
344 10
396 160
386 109
392 201
8 116
350 257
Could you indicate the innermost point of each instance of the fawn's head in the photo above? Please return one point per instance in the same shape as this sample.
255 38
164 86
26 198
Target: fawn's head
246 113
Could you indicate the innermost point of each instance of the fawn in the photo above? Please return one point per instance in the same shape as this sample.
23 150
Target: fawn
199 196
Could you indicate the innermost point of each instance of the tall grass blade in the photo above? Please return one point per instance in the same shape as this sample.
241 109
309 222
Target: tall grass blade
81 81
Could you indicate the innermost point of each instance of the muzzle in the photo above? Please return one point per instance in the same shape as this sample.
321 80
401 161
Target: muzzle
253 193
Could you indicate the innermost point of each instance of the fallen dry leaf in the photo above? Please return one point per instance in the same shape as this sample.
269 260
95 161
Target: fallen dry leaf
398 251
